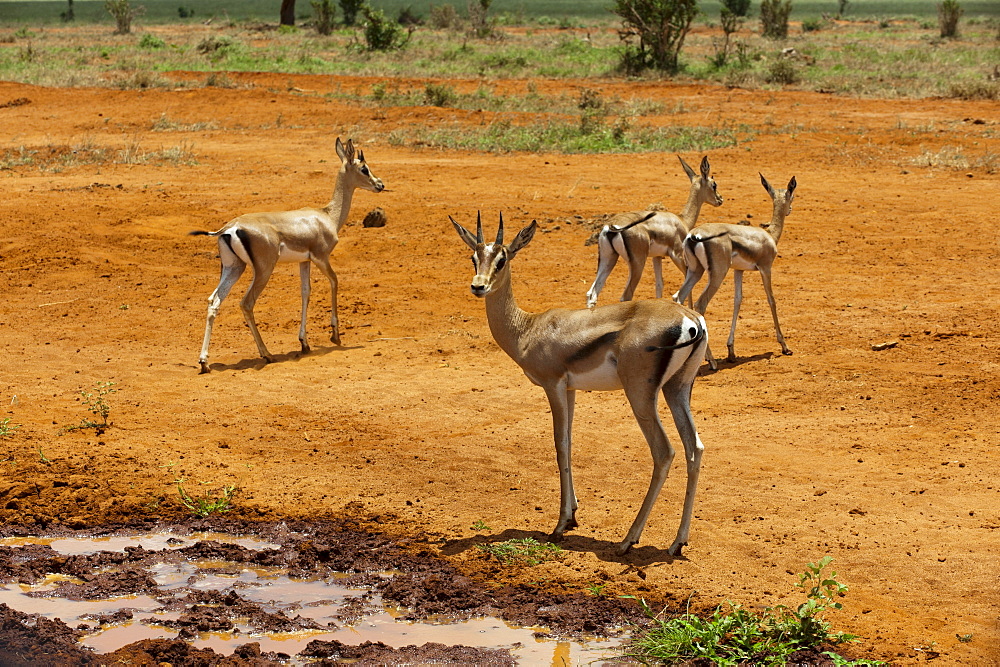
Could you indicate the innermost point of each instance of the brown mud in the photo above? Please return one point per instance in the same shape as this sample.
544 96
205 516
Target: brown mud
875 443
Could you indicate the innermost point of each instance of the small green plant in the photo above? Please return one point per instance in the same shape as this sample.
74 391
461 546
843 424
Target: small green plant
949 12
42 457
151 41
6 428
480 525
95 400
209 503
774 18
782 71
440 95
597 590
734 635
527 551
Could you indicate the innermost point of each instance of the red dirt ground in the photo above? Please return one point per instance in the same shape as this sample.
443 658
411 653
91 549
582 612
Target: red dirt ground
885 460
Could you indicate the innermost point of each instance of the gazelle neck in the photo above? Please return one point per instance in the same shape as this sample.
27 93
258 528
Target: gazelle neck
689 215
777 218
508 322
340 205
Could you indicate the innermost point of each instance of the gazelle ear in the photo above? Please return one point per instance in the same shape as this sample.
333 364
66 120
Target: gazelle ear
791 186
687 169
767 186
465 234
705 167
341 151
523 238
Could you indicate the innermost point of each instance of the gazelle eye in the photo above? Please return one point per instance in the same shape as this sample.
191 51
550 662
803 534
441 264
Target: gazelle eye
500 262
364 169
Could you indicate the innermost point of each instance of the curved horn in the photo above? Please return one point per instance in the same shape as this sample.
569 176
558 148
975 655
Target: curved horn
479 226
500 231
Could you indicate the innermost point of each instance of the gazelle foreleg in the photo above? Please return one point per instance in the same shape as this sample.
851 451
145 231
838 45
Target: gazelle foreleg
231 273
607 257
561 403
324 266
305 288
765 276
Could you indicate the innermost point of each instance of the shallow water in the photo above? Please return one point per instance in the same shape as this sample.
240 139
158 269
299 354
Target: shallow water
318 599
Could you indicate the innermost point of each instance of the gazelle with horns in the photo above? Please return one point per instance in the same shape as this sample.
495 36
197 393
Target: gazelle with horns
641 347
717 247
304 235
656 234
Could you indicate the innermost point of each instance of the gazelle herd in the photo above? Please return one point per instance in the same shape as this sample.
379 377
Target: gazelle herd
644 348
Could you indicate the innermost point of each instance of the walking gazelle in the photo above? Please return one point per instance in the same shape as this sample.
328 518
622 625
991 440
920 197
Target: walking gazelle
644 348
717 247
306 235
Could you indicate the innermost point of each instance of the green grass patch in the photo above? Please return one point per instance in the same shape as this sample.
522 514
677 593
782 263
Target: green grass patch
527 551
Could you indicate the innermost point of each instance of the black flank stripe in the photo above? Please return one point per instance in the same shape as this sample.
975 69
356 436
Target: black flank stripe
593 346
245 240
670 337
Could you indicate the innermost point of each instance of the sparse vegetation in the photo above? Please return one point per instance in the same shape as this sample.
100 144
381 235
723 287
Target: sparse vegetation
734 635
211 502
124 12
96 401
774 18
949 12
527 551
6 428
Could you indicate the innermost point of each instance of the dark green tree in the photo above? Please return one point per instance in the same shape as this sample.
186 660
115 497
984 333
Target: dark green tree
660 27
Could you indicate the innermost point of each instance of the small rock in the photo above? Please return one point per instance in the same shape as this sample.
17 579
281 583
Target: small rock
878 347
375 218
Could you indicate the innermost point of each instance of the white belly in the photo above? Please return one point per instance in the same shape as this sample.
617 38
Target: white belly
286 254
741 264
601 378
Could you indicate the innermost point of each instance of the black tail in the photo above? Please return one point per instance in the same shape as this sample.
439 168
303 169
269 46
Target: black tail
198 232
692 239
617 229
696 336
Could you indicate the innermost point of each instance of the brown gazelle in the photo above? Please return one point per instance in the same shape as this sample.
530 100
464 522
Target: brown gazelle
717 247
657 234
641 347
305 235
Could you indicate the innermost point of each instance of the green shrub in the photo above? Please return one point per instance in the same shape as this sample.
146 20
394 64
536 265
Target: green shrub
445 17
324 15
949 12
124 13
382 34
774 18
440 95
350 10
660 26
782 71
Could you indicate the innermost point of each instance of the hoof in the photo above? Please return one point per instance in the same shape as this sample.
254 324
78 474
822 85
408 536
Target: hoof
624 548
675 549
786 352
305 348
335 339
204 368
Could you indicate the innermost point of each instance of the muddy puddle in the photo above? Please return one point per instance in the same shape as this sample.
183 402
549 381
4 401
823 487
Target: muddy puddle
279 593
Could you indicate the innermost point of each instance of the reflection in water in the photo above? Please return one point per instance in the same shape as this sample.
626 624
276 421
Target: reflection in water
320 600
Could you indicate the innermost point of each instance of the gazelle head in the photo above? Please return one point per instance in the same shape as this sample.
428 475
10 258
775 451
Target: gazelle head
355 170
782 198
705 186
492 260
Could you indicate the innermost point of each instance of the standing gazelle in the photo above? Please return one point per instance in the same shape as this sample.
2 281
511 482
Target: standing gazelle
305 235
643 348
716 247
657 234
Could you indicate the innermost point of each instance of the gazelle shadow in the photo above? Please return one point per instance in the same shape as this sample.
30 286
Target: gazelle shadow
259 364
603 549
723 363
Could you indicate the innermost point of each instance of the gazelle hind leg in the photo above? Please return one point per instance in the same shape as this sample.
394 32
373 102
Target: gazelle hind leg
765 276
677 392
642 396
230 274
304 288
636 263
607 257
260 277
737 302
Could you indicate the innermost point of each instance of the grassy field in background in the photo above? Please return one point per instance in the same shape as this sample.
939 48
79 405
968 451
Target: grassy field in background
41 12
